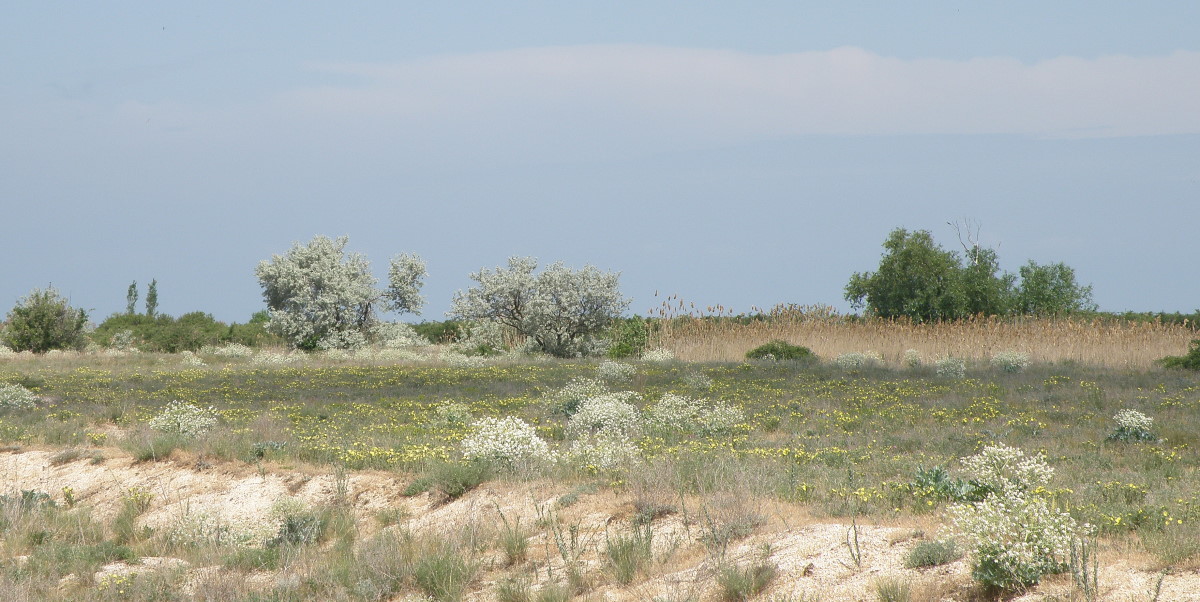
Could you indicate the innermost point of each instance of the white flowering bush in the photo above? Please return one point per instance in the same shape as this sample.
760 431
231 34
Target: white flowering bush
1132 425
458 360
659 354
1011 361
338 355
508 440
182 418
912 358
191 360
951 367
397 335
16 397
604 451
855 361
231 350
610 413
1004 468
563 311
388 356
567 400
271 358
697 380
682 414
611 371
1014 534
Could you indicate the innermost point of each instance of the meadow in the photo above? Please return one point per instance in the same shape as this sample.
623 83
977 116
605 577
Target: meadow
875 442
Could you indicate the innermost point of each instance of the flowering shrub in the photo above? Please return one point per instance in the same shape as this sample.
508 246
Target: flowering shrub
191 360
603 451
459 360
912 358
855 361
660 354
1014 534
397 335
611 414
567 400
682 414
16 397
951 367
230 350
611 371
1132 425
1011 361
271 358
5 352
182 418
1005 468
697 380
509 440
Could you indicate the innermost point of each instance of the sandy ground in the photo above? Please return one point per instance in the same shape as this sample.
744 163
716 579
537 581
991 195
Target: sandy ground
812 556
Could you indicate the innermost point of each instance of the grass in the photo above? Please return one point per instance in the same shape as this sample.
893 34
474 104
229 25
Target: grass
806 427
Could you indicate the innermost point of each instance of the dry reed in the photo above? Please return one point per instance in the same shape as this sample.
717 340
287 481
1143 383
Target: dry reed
716 335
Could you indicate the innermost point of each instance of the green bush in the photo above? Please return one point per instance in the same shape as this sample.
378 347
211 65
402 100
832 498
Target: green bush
44 320
627 337
780 350
932 553
445 331
1191 361
189 332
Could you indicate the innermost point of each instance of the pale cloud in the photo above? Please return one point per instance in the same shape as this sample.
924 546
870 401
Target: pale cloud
720 94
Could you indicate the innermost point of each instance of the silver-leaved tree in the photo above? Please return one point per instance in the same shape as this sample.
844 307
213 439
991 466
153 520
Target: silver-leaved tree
562 311
320 297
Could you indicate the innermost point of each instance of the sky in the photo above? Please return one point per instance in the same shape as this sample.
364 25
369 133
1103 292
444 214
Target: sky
741 154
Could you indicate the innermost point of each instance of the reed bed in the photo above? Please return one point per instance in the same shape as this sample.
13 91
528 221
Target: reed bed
713 337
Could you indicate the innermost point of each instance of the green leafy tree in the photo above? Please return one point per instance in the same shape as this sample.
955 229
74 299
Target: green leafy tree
44 320
985 289
1049 290
152 298
131 298
916 279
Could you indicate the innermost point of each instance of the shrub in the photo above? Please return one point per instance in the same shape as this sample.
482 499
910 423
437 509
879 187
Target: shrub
1011 361
561 310
1191 361
685 415
660 354
1132 425
182 418
780 350
611 414
602 452
951 367
857 361
507 440
1014 535
44 320
627 337
190 332
912 358
16 397
566 401
611 371
455 479
446 331
932 553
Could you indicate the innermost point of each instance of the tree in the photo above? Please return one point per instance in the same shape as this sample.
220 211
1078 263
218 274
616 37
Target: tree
916 279
131 297
1049 290
44 320
152 298
320 297
561 310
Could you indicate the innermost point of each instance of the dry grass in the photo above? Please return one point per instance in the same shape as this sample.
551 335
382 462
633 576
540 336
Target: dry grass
1104 343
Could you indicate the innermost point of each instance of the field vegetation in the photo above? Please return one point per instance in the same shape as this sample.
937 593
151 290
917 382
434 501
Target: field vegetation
707 455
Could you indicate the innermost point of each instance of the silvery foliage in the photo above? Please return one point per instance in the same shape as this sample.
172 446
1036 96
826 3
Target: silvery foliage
951 367
182 418
1014 534
509 440
16 397
1011 361
562 310
855 361
686 415
610 371
912 358
610 414
320 297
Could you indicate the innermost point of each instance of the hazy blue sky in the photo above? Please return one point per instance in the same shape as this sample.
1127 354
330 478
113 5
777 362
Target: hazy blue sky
745 153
